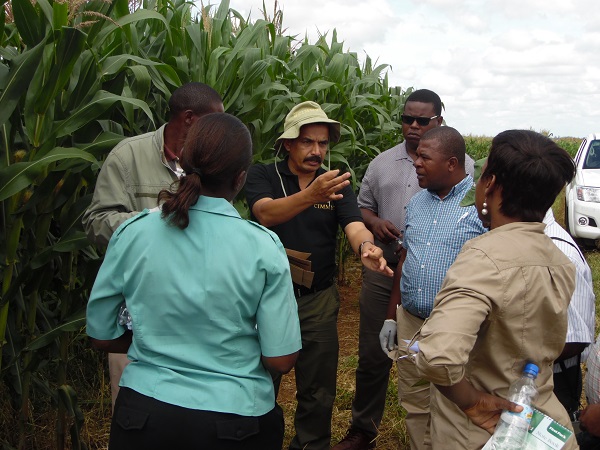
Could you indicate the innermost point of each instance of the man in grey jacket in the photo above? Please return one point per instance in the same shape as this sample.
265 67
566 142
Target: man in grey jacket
137 169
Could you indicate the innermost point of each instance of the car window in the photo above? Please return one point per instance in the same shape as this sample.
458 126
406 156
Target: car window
592 159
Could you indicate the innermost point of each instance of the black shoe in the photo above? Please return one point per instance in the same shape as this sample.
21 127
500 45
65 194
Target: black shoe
355 440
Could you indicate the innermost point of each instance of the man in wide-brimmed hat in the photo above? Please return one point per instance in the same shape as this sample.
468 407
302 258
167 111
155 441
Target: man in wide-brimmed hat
305 204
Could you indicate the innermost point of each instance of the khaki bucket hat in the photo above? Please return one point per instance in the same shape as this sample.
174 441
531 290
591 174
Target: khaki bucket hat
303 114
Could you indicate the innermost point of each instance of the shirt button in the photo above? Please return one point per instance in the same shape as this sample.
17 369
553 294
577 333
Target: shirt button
422 266
429 243
419 289
435 221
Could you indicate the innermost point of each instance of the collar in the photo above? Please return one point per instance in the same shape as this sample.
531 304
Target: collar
549 217
402 153
459 188
535 227
169 155
216 205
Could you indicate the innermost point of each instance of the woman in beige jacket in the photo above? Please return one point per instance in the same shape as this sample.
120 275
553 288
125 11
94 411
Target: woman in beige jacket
504 300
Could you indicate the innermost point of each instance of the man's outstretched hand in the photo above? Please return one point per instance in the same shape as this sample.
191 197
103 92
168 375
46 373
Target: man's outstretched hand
372 258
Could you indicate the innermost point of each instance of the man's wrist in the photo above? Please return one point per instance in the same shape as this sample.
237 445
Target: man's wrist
360 247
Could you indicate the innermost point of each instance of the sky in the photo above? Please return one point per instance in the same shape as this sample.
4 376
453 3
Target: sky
496 64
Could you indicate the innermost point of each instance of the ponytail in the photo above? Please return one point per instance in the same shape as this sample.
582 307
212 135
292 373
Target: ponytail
176 205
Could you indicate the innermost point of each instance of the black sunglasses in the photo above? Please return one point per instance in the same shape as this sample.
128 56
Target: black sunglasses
422 121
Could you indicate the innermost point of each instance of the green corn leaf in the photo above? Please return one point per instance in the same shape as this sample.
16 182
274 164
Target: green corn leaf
142 81
103 143
317 86
70 220
28 22
18 176
74 323
60 15
72 241
22 70
68 50
94 108
137 16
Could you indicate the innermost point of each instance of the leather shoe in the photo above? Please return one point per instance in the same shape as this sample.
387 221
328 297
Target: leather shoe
355 440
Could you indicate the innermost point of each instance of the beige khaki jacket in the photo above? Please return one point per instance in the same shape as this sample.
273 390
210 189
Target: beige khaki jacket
503 302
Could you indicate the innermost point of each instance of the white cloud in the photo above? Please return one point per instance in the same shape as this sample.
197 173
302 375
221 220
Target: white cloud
497 64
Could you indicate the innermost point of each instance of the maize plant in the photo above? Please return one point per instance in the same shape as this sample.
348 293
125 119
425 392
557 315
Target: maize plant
76 77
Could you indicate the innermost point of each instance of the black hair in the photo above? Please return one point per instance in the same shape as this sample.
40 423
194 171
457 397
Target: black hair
426 96
452 142
197 97
531 169
217 149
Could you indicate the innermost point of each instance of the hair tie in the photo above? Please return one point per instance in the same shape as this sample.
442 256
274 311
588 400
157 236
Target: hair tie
197 172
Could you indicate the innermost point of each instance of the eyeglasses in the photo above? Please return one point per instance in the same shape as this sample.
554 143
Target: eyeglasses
422 121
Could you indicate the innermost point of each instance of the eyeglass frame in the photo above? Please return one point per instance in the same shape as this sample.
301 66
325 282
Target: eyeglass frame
419 120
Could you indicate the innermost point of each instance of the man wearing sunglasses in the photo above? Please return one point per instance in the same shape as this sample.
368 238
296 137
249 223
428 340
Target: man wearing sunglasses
389 183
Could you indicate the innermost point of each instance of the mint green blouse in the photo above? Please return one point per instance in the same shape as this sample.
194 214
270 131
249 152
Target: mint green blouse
205 302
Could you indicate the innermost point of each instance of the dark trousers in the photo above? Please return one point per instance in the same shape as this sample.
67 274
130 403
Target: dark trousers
567 388
144 423
373 371
316 370
587 441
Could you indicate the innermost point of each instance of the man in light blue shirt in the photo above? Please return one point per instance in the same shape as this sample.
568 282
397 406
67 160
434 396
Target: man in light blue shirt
436 228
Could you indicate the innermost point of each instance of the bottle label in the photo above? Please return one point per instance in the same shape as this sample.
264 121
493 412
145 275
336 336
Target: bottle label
526 414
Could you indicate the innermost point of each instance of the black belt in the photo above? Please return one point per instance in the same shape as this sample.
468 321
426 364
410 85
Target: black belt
301 291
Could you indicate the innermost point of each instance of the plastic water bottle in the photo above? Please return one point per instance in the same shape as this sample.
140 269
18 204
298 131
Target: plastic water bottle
511 431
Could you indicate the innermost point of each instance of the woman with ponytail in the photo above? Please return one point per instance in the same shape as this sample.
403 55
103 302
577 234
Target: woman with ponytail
211 304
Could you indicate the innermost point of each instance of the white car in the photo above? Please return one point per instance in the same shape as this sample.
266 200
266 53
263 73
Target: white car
582 195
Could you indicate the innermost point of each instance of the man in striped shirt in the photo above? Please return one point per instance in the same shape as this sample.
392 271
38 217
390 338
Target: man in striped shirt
581 320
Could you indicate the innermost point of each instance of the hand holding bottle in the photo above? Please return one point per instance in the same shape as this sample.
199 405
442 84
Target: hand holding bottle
485 413
513 427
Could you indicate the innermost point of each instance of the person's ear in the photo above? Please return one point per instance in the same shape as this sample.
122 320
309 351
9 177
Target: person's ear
490 184
287 144
452 163
189 117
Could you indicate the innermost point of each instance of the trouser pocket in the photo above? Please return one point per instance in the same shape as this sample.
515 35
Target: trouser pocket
237 429
131 419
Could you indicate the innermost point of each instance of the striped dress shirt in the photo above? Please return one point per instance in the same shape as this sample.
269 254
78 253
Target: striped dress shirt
582 308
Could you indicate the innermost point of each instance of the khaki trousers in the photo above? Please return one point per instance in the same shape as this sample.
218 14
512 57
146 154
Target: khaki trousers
414 399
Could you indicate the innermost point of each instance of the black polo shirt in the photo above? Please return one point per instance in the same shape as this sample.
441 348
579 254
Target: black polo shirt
314 230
